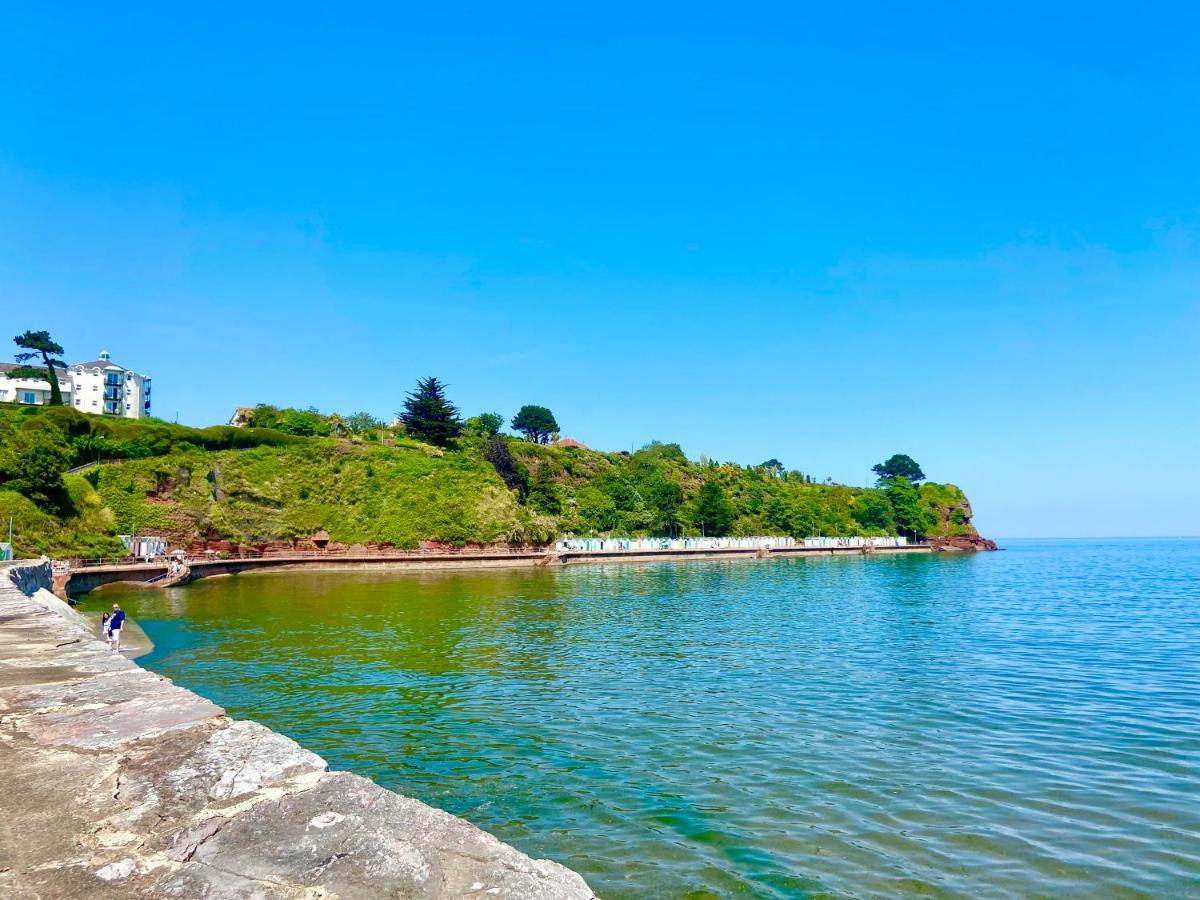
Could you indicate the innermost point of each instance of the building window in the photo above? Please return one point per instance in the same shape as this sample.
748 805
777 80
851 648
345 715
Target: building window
28 397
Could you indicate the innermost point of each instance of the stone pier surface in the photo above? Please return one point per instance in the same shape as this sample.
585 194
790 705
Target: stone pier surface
118 783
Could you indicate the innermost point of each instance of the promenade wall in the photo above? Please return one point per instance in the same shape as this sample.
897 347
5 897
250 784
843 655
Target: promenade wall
87 577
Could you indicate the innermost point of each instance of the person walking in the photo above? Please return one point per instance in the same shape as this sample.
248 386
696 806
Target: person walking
115 621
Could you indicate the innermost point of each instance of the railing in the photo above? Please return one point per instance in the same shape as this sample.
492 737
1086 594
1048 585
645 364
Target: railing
123 561
215 556
95 462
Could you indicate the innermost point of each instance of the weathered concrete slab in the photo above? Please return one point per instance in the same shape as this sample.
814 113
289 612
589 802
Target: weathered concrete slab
121 784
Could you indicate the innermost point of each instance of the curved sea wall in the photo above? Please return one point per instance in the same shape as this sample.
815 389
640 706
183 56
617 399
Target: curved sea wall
119 783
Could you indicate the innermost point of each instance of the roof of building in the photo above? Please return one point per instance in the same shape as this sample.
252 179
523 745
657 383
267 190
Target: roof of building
570 442
95 363
8 367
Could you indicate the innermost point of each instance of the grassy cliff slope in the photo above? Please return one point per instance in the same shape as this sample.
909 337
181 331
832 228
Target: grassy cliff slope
255 487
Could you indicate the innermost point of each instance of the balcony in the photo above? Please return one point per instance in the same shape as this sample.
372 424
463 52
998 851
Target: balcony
113 395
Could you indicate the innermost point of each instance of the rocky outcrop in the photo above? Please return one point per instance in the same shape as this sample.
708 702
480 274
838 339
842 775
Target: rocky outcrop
962 542
953 528
122 784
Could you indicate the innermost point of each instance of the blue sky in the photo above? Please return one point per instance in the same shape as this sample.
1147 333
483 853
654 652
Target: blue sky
820 235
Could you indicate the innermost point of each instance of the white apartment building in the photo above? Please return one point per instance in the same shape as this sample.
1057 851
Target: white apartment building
99 386
34 391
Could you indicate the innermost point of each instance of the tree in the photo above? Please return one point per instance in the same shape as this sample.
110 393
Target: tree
428 415
712 511
362 422
511 472
912 516
486 424
666 497
39 344
543 493
535 422
300 422
33 463
773 467
872 510
666 452
898 465
303 423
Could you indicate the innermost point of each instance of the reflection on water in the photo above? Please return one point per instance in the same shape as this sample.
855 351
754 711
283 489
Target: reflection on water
1004 724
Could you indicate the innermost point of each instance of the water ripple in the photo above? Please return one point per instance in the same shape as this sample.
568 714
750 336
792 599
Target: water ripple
1004 725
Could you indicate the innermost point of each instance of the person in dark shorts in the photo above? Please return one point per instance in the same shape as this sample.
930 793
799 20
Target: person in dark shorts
115 621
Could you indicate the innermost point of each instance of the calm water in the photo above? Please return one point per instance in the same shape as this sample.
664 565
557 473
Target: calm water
1007 724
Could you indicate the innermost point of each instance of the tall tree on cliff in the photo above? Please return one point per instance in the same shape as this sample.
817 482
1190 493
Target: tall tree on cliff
898 465
428 415
711 510
537 423
39 344
772 467
912 516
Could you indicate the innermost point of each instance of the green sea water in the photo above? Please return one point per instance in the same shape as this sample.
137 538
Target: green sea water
1024 723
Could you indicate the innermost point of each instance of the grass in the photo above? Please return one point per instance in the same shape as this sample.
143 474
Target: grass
255 486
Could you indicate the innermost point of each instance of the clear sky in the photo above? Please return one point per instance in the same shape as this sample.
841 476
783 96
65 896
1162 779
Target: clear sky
823 235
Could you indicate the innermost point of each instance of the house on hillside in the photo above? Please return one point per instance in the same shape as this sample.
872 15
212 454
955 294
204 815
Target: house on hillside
100 386
570 442
242 416
32 391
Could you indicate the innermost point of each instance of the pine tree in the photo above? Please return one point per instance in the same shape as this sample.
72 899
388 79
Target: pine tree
898 465
39 343
428 415
535 422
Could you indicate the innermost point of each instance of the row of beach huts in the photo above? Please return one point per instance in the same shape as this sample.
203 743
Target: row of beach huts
625 545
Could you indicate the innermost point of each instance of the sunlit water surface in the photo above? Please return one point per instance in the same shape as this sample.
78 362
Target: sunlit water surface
1007 724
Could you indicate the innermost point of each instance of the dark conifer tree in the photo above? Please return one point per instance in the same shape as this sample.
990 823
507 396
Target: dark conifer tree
429 416
537 423
39 344
511 472
898 465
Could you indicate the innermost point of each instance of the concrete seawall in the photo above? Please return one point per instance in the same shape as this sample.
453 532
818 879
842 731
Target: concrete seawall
121 784
87 578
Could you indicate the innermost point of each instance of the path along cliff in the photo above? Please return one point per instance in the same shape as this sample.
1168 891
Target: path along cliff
121 784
